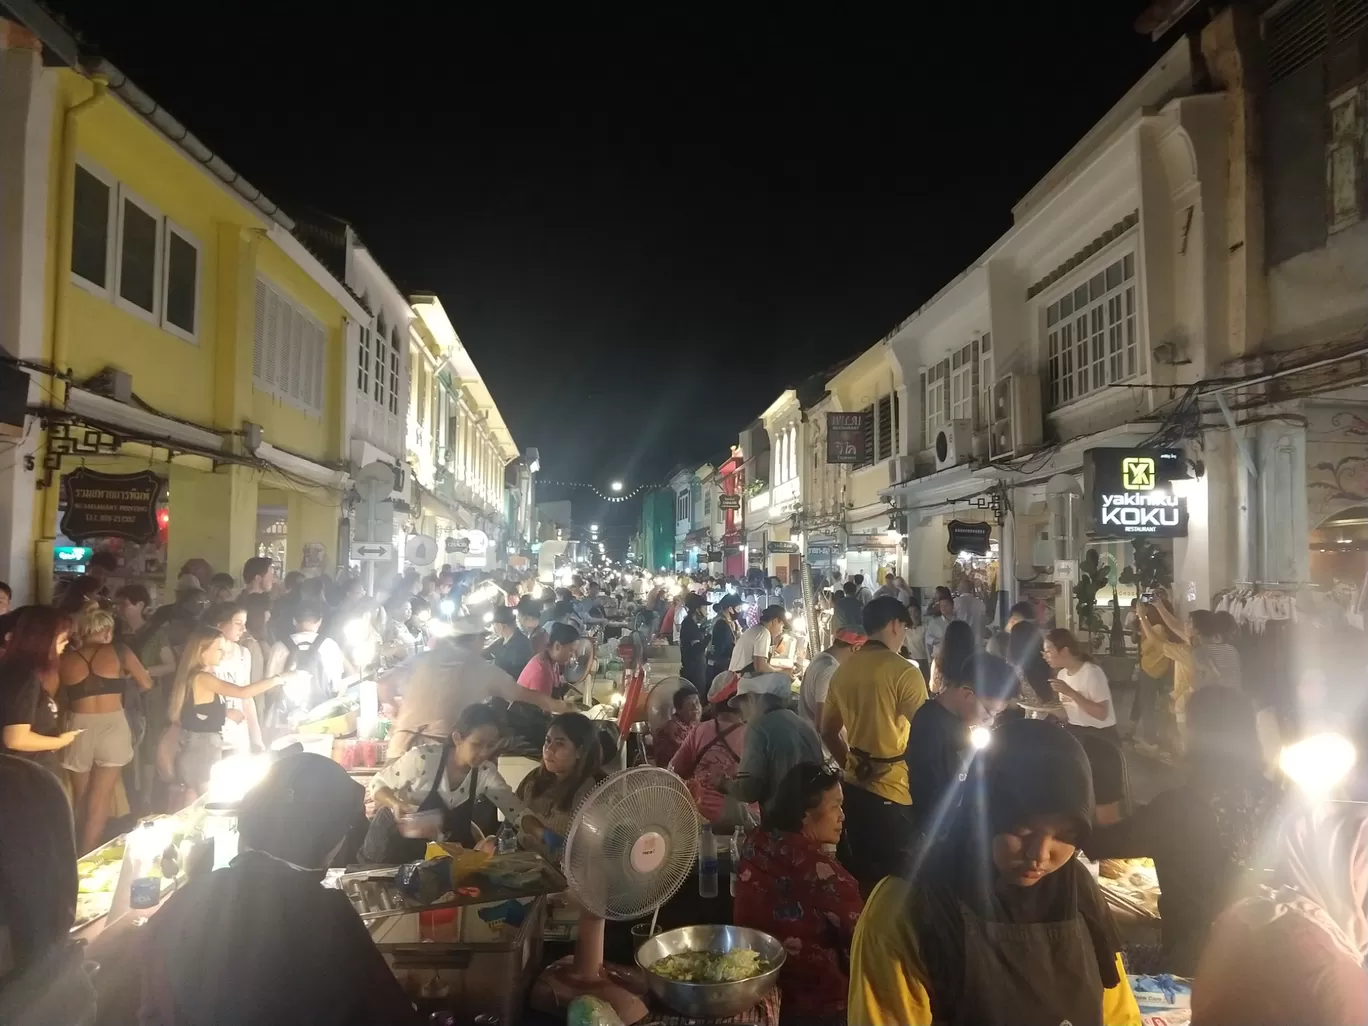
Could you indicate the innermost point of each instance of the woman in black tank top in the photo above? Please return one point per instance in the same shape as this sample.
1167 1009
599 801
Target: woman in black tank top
94 676
197 712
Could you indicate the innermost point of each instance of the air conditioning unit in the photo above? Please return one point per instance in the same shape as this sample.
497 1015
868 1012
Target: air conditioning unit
1016 422
954 444
900 470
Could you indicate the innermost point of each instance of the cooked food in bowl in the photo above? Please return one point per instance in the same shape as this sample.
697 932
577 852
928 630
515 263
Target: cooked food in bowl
711 967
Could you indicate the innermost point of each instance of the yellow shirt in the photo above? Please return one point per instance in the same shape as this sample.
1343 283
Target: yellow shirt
1152 658
888 984
877 692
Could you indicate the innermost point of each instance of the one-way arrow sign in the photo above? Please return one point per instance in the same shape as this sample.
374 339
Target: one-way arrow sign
362 551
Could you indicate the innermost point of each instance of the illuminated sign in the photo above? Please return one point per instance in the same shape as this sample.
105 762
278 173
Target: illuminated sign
1130 493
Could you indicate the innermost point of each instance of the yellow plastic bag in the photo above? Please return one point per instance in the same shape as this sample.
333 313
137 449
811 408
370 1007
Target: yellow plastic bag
464 861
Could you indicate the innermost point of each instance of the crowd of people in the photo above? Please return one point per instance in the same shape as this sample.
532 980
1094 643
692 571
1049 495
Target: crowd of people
910 815
914 830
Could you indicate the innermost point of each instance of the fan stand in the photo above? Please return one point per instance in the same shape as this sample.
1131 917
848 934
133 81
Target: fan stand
585 973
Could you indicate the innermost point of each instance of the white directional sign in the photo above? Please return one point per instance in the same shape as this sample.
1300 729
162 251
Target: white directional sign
420 550
368 550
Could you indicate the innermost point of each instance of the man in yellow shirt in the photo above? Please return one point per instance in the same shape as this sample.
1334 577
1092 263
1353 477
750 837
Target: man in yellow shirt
873 696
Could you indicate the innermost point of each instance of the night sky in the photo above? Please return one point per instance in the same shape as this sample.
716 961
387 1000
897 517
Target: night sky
645 226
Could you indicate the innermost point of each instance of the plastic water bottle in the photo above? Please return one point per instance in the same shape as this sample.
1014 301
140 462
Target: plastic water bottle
707 863
734 857
507 842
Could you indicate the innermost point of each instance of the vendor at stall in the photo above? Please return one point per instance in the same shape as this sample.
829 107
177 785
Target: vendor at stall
1204 835
542 674
571 767
1003 924
788 886
511 649
777 739
452 675
665 741
442 792
755 645
262 942
711 755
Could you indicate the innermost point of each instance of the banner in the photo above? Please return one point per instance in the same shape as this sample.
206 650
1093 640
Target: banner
782 548
110 505
849 436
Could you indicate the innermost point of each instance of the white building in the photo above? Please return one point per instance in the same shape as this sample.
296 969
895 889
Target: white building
1079 329
458 444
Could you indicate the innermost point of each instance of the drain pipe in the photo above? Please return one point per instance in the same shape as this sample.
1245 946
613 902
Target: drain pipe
61 296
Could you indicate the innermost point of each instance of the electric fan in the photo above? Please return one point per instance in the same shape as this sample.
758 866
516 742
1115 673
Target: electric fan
632 844
660 701
580 668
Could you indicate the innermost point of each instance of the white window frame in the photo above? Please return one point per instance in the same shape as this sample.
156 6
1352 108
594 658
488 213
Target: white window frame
170 227
313 336
1104 321
984 420
394 399
152 316
104 291
964 383
363 358
935 399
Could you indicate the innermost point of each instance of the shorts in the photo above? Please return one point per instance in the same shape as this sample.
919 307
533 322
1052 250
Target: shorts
198 753
104 741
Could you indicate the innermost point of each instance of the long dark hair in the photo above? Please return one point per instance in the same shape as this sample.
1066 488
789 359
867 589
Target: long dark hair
1065 640
583 735
31 648
37 869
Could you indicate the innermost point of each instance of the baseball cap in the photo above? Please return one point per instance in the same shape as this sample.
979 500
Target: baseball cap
467 626
188 582
729 599
774 612
723 687
879 612
852 637
777 684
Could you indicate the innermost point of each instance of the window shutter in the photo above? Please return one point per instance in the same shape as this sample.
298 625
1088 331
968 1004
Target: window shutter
320 365
297 388
259 334
271 361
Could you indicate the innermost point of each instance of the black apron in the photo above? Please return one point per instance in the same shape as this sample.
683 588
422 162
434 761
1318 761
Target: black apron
1038 974
385 845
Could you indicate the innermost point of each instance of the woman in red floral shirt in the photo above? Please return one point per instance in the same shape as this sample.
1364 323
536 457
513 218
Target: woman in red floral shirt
790 888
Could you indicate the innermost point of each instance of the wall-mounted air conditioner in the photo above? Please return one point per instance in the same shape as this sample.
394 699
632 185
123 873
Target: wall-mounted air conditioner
954 444
900 470
1016 425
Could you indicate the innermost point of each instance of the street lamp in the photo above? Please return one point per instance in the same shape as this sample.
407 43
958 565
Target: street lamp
594 528
616 486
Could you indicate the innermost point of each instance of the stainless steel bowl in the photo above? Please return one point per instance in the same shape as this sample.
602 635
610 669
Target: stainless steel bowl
711 1000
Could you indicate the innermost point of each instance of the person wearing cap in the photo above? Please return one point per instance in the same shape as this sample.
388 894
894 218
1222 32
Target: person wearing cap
873 696
436 686
693 641
724 634
262 941
939 749
511 650
542 674
711 754
529 622
753 647
812 693
1003 924
777 738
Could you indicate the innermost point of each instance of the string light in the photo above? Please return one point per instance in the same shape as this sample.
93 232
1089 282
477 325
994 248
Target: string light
624 497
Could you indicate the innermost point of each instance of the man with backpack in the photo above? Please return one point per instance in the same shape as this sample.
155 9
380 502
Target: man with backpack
319 657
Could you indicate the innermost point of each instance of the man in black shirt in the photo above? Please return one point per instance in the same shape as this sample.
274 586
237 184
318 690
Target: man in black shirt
512 651
940 748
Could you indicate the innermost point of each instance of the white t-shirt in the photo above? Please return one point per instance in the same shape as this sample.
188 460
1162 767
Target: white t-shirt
412 775
754 643
816 683
235 668
1091 682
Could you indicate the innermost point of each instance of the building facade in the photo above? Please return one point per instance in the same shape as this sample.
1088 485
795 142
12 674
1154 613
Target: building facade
458 445
178 335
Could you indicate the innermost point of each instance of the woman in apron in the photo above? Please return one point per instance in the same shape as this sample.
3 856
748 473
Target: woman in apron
1004 924
447 791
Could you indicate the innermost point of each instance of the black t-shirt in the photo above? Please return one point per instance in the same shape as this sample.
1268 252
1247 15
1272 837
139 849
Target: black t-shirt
24 701
1203 839
937 747
512 653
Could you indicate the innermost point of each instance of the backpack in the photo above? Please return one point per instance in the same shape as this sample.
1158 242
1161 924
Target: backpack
308 657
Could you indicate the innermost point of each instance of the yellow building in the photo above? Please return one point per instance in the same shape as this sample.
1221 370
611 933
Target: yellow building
190 334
